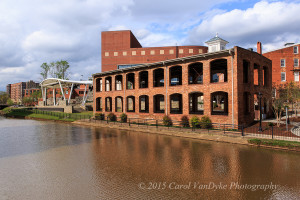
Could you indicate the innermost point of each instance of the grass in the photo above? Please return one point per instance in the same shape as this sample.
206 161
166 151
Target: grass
277 143
15 113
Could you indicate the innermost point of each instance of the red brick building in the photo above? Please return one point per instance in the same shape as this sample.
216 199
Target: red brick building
285 64
16 91
217 84
121 49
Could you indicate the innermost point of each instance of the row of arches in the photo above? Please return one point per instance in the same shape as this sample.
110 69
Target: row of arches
218 73
218 102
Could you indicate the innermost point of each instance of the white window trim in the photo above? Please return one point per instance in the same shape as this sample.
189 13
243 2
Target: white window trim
283 63
297 62
297 50
296 80
284 77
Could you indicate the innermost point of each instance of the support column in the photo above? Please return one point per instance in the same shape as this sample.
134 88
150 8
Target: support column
71 93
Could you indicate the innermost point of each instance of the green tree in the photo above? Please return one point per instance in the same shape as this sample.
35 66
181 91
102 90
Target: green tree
58 69
9 102
3 97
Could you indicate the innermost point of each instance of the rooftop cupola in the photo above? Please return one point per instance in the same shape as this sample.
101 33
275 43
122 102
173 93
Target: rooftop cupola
216 44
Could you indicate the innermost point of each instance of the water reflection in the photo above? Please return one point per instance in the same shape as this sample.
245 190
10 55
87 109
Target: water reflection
92 163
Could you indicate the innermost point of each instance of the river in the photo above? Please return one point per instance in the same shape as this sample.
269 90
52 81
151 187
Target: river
48 160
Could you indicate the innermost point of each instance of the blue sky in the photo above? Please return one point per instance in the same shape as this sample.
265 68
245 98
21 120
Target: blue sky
35 31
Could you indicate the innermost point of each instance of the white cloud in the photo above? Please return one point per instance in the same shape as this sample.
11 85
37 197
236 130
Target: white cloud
273 23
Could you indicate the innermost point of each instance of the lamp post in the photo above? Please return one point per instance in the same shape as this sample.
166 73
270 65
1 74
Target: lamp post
260 111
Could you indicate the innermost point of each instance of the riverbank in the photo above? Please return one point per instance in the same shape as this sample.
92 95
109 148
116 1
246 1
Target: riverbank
215 136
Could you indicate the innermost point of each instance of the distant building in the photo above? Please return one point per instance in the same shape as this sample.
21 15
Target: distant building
121 49
16 91
285 64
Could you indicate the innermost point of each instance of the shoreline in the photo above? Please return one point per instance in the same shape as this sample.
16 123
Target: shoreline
219 137
230 139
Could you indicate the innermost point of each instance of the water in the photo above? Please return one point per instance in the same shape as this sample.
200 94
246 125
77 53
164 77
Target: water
47 160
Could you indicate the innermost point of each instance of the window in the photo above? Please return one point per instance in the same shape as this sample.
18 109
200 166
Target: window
256 74
143 53
282 62
219 103
196 73
175 75
171 51
274 92
180 50
106 54
108 84
133 53
265 76
130 104
98 104
99 85
152 52
115 53
162 51
159 103
158 78
196 103
130 81
119 104
124 53
295 49
296 62
218 71
144 104
191 50
119 82
246 65
143 79
108 104
283 76
296 76
247 103
176 104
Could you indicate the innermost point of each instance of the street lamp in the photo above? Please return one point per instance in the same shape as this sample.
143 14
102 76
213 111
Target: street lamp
259 96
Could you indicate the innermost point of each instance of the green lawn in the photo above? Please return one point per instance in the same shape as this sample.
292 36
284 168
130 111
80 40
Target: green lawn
278 143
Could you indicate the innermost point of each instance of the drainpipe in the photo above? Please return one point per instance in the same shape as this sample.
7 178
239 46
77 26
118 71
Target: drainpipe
232 89
166 83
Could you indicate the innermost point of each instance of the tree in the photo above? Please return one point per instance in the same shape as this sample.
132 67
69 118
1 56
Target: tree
3 98
58 69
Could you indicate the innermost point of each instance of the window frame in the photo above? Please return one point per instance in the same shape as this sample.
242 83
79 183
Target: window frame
282 59
284 76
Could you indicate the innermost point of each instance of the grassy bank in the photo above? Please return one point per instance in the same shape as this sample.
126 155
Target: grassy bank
15 113
276 143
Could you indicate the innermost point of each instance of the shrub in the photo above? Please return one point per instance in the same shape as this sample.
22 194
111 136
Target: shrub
123 117
7 110
99 116
167 121
112 117
185 121
195 121
205 122
270 124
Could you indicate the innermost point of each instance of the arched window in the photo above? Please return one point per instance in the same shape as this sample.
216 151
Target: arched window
98 104
119 82
108 84
219 103
108 104
143 78
158 77
99 85
218 71
176 103
175 75
196 73
196 103
144 104
158 103
130 81
130 104
119 104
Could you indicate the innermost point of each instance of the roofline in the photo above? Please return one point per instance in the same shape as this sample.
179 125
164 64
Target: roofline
229 51
282 48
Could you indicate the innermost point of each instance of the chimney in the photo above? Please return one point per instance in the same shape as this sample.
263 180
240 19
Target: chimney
259 47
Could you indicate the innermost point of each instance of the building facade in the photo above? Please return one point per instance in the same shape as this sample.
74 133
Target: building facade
219 84
121 49
285 64
16 91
